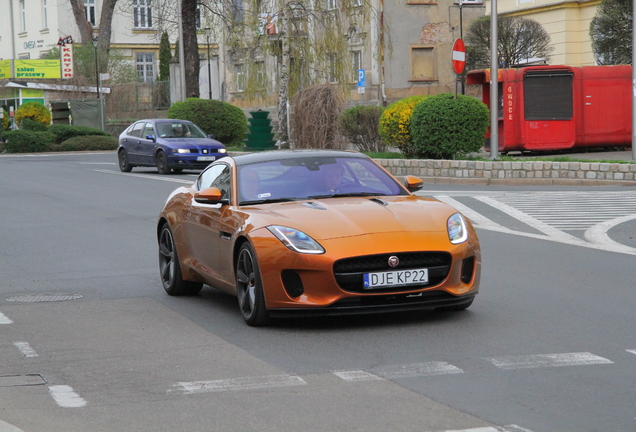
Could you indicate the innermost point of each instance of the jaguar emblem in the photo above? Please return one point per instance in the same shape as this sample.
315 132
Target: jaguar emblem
394 261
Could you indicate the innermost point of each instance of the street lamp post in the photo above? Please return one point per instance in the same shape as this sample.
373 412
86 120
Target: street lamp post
207 39
96 65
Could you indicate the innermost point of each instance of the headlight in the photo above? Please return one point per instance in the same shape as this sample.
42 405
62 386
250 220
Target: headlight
457 231
222 150
182 151
296 240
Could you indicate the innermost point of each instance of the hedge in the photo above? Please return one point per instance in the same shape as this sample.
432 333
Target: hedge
225 121
21 141
445 127
394 127
65 132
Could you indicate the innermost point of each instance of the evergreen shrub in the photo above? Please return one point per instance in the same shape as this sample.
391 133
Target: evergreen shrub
394 127
34 111
359 125
225 121
32 125
87 142
23 141
65 132
443 127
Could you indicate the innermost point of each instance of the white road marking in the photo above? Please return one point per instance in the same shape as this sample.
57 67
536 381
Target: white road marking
476 218
548 360
357 376
98 163
66 397
632 351
529 220
508 428
25 349
416 370
598 233
144 176
4 319
6 427
247 383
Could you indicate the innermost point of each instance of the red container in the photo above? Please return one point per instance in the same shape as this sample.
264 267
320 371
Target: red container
545 108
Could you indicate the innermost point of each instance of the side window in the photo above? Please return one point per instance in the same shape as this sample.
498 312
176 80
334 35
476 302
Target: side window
148 130
136 129
217 176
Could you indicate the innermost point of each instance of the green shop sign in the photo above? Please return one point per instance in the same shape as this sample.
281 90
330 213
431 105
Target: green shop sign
5 69
36 69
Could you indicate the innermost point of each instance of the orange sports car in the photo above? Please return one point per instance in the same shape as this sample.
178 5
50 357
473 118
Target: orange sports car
305 232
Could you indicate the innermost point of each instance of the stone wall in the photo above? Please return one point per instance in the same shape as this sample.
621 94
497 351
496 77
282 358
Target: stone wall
509 170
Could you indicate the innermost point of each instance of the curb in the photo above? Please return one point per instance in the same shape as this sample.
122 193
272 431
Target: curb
524 182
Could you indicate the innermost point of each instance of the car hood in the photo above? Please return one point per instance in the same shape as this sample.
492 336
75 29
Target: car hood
347 217
192 143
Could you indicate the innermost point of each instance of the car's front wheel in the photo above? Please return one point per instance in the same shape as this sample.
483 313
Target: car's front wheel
161 161
249 288
170 268
124 165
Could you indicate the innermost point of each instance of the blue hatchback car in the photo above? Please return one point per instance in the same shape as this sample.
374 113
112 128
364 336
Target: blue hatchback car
167 144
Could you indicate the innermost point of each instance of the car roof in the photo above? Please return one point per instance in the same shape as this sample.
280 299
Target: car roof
163 120
273 155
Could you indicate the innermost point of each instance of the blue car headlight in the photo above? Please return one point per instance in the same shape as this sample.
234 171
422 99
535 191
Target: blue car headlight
182 150
296 240
222 150
457 232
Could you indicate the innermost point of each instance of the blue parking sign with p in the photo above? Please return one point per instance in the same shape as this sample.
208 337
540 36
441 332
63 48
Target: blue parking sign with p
360 77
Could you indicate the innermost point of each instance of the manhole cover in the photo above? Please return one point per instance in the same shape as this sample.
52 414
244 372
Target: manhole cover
21 380
34 298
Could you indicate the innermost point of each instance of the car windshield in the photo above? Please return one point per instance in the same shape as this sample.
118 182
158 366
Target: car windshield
313 178
179 130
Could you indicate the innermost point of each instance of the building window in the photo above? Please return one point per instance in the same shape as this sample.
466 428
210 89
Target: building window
146 66
143 13
331 4
198 17
23 27
423 67
331 65
356 61
240 77
89 5
45 15
357 2
260 75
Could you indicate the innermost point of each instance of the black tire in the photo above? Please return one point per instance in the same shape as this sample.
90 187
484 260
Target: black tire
456 308
161 161
170 267
249 288
124 165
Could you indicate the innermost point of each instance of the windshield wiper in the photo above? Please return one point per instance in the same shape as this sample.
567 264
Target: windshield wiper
348 194
267 201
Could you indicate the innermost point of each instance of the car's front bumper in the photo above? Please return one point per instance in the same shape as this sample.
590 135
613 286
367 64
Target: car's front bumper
186 161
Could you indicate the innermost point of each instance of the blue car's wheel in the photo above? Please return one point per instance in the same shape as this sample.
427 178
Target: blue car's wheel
162 163
124 165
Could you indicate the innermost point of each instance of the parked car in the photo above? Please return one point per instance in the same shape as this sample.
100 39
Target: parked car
167 144
295 233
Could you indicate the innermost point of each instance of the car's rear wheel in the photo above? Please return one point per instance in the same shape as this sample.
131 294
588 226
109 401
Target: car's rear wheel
124 165
170 268
161 161
249 288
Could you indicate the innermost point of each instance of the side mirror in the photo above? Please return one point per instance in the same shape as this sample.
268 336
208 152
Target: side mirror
150 137
210 195
413 183
210 136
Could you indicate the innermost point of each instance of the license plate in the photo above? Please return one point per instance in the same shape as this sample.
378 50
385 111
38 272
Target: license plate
206 158
395 278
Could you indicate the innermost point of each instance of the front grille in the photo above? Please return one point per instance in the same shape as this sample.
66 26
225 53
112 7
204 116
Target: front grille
468 267
292 283
349 271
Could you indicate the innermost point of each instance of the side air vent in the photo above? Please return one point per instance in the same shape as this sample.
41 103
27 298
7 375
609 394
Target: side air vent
468 268
293 283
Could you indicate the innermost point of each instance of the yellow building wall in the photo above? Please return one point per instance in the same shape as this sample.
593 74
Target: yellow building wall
567 23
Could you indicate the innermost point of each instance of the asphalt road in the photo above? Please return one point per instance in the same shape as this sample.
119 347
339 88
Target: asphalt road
548 346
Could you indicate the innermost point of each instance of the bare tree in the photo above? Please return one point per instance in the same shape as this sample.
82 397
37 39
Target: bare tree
86 27
519 39
190 47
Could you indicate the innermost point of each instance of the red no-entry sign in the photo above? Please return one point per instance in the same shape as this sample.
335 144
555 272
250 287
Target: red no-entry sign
459 56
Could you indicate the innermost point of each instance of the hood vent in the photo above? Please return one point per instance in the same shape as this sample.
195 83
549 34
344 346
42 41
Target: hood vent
379 201
314 205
